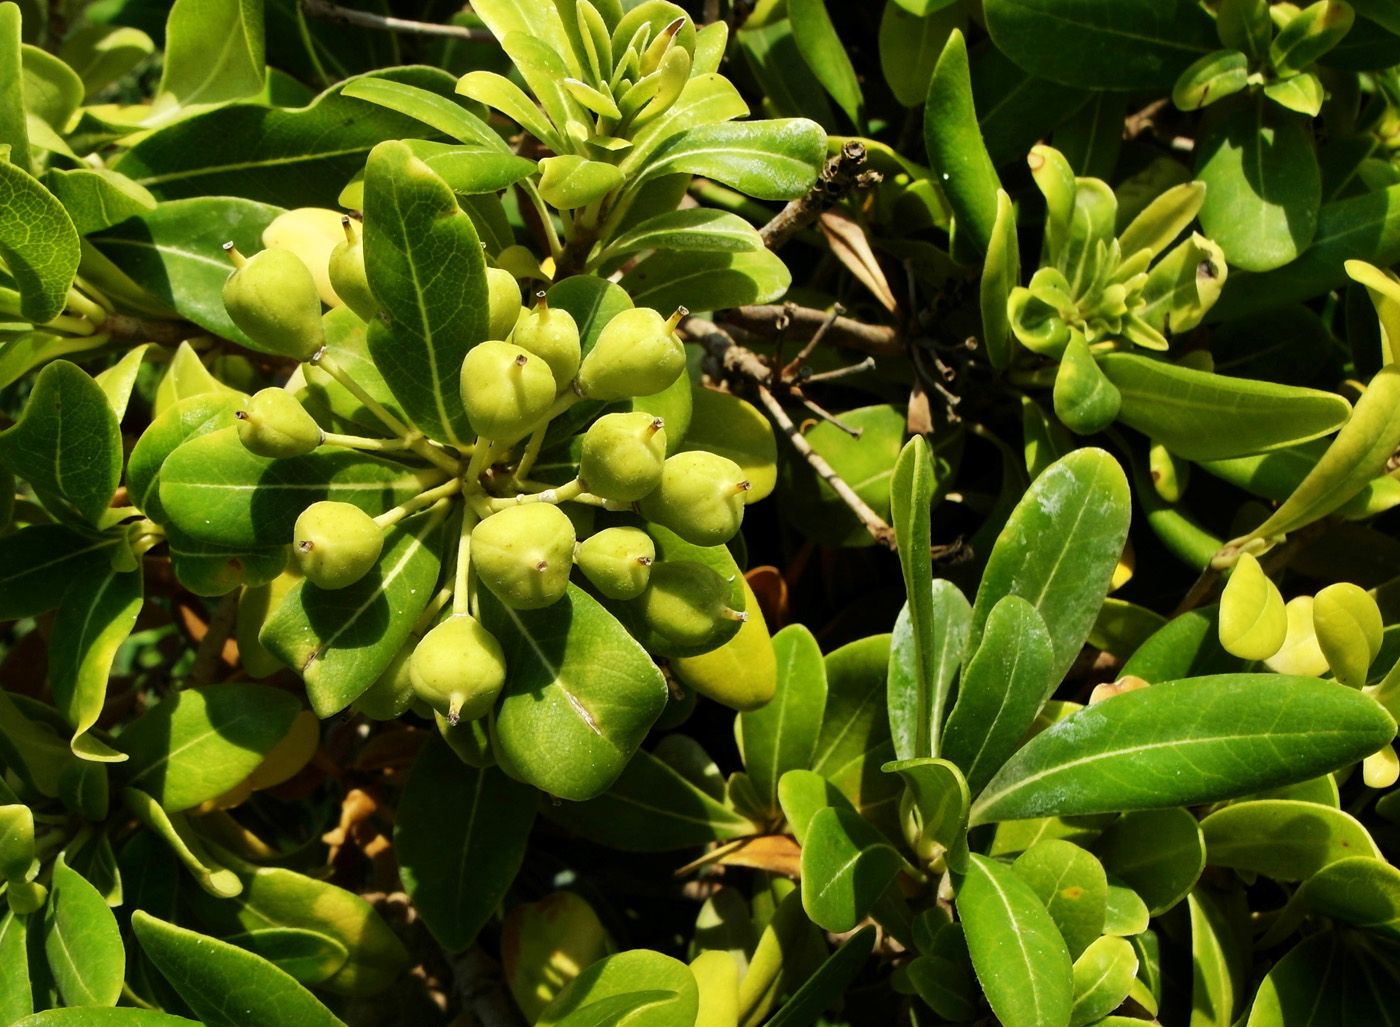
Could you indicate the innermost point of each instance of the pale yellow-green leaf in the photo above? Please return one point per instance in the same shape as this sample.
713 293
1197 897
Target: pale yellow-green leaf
1300 653
1349 627
1253 622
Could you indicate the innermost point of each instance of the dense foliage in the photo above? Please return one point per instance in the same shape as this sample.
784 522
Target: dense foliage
599 512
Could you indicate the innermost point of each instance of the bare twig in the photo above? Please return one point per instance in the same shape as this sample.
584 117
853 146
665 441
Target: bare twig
868 364
830 418
327 11
804 322
806 352
841 174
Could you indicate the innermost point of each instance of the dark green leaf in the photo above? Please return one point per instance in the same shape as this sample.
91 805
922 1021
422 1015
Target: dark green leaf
788 84
98 1016
855 736
1283 839
1329 978
38 243
83 943
1360 890
213 52
39 562
782 735
956 152
826 55
707 281
846 866
97 198
1159 853
828 983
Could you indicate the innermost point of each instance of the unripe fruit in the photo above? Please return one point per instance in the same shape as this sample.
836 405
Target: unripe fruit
336 543
312 233
637 354
272 297
458 669
347 273
392 693
623 456
505 390
503 302
686 603
524 554
552 335
700 498
273 424
617 561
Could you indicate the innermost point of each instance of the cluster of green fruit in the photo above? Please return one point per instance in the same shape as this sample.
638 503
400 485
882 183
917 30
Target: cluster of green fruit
516 540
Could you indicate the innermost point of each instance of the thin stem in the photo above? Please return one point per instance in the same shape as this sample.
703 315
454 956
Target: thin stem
330 438
868 364
556 249
88 308
327 11
563 494
424 499
481 459
464 581
532 450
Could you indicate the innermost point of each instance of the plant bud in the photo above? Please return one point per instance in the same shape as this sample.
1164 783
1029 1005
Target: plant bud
617 561
686 603
700 498
336 543
505 390
1086 402
552 335
312 233
273 424
392 693
503 300
637 354
623 456
524 554
347 273
272 297
458 669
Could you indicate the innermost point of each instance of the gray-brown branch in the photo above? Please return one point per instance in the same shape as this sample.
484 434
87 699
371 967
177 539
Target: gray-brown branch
839 177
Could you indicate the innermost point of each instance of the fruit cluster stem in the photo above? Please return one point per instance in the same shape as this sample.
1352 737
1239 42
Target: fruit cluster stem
419 502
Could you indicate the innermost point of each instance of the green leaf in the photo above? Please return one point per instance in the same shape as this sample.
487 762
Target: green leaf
768 160
855 736
209 569
803 794
789 86
1263 187
184 843
651 807
97 198
92 621
638 987
826 55
1282 839
16 998
827 983
189 418
1310 34
470 170
1328 978
83 942
1360 890
175 253
38 564
732 427
1000 274
308 956
13 132
1001 691
52 90
200 742
500 93
413 229
1058 551
341 640
699 228
1020 958
1213 77
846 865
217 491
428 102
1204 416
707 281
1159 853
580 697
937 651
1102 44
213 52
460 836
1253 621
909 47
101 54
1103 977
1216 977
911 497
38 243
1072 886
939 794
224 985
1171 745
956 152
782 735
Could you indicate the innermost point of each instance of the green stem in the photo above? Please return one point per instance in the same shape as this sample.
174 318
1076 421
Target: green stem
330 438
418 502
546 220
87 308
562 494
464 582
532 450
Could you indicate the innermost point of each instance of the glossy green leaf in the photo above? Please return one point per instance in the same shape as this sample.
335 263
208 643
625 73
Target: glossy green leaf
923 663
200 742
224 985
1304 94
1216 976
707 281
1018 953
1159 853
580 697
213 51
82 941
38 564
1126 915
698 228
1204 416
308 956
826 55
190 417
1167 746
1213 77
1086 402
732 427
16 998
782 735
846 866
428 101
1315 30
911 496
828 983
803 794
1253 621
1286 840
500 93
1000 691
790 87
184 843
956 152
93 620
341 640
1061 566
651 807
1326 979
768 160
639 987
1263 187
1072 886
413 228
1103 977
940 798
1000 274
1186 646
910 43
175 253
217 491
460 836
855 736
209 569
1102 44
1348 626
38 243
1358 889
97 198
66 442
101 54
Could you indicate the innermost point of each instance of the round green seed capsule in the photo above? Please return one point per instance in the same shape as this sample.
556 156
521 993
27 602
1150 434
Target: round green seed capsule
346 268
505 390
336 544
637 354
273 298
623 456
700 498
458 669
617 561
275 425
552 335
686 603
524 554
503 302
